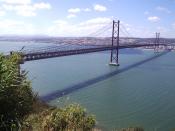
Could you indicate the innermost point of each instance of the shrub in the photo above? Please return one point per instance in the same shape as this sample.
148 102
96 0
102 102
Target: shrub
133 129
16 96
72 117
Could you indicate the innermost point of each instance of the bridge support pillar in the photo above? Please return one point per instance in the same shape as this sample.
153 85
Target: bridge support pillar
156 48
115 44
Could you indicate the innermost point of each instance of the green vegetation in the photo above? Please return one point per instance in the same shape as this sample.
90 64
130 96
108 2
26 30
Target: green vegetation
133 129
72 117
16 96
22 110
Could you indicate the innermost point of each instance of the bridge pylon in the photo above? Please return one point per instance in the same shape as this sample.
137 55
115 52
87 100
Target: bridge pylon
115 43
157 40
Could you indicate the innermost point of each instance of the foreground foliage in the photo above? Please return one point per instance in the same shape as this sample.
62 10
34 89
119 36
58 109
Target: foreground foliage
70 118
132 129
22 110
16 96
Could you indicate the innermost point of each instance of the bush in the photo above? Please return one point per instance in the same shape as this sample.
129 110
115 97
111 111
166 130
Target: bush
16 96
72 117
133 129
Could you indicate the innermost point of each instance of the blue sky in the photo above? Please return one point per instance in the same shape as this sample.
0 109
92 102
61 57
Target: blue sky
141 18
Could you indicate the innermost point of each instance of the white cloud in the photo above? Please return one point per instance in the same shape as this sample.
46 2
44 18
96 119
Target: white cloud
96 21
2 13
78 10
153 18
89 27
9 23
62 28
8 26
85 28
163 9
22 10
60 22
7 7
25 9
42 5
74 10
16 1
71 16
65 28
100 8
86 10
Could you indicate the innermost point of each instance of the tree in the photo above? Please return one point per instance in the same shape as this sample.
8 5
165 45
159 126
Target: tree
16 96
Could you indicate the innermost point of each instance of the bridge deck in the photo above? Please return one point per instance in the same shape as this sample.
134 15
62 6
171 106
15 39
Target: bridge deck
50 54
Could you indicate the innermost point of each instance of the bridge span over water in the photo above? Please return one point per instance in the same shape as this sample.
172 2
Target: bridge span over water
114 46
51 54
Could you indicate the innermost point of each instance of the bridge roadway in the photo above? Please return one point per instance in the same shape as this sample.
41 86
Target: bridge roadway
50 54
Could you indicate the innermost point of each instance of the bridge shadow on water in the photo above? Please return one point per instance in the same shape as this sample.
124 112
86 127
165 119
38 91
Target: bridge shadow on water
75 87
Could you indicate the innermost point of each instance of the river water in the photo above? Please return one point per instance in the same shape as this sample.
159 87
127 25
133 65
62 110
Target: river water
140 92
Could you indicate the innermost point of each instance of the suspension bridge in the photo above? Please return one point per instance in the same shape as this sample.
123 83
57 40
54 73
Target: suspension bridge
97 43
